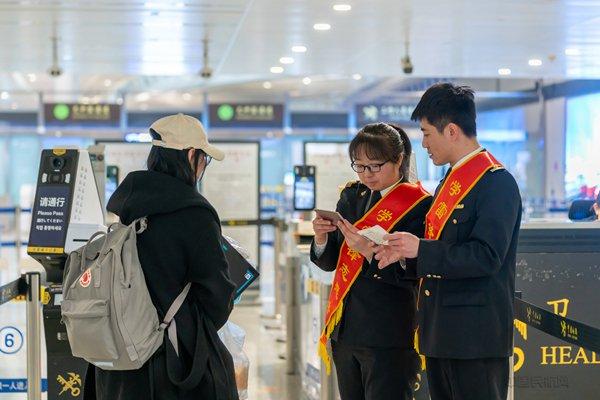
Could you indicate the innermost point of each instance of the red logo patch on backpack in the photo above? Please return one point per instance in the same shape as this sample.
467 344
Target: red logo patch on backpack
86 278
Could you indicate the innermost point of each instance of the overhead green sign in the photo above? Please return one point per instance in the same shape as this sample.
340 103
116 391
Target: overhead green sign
61 112
225 112
246 115
65 115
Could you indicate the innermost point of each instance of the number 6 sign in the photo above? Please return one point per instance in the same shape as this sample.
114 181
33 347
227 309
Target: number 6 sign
11 340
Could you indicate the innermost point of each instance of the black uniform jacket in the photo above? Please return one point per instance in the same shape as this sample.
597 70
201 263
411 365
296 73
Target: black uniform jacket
379 309
181 244
466 300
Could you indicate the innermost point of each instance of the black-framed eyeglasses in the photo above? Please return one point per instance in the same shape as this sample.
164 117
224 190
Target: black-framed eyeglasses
371 167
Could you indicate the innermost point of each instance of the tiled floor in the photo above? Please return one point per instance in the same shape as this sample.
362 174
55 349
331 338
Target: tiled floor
267 378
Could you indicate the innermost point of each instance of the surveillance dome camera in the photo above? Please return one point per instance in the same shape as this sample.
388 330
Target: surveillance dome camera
407 65
206 72
55 71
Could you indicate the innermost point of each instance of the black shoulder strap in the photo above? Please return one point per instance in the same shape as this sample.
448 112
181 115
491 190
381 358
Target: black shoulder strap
207 357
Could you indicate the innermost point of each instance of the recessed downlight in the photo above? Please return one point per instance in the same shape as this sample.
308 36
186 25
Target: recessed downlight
342 7
321 26
535 62
572 51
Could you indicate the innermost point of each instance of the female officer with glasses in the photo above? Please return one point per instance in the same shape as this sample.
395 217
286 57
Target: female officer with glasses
370 318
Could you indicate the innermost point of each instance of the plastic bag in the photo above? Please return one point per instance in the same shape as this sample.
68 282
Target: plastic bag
233 338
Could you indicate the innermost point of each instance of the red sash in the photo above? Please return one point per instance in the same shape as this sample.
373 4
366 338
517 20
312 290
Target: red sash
386 213
457 185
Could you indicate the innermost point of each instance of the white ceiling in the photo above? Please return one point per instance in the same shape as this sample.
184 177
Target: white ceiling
107 46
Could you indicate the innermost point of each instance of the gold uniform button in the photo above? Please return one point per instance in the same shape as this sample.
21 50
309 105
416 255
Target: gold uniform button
375 275
427 293
428 275
454 221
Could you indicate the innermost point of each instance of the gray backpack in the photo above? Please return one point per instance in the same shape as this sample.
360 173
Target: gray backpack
110 319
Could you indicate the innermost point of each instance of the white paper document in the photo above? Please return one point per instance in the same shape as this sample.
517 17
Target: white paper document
374 234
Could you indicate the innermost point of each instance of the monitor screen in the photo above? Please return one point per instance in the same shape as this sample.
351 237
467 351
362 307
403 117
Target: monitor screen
304 187
304 193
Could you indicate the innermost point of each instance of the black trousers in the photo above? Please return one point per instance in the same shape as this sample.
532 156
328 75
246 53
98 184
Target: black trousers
478 379
369 373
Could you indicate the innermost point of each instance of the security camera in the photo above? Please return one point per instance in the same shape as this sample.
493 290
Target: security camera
407 65
55 71
206 72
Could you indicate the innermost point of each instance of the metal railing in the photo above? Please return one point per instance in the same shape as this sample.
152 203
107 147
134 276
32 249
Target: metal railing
29 286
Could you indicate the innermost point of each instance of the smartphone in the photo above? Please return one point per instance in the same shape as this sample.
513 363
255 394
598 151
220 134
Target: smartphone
332 216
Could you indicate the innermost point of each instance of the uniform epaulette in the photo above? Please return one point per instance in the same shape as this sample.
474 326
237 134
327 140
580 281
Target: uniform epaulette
352 183
497 168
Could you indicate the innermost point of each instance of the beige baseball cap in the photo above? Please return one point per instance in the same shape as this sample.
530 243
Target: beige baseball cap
182 132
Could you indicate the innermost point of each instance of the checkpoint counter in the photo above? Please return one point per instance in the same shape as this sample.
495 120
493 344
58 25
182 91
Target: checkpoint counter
312 297
307 291
558 269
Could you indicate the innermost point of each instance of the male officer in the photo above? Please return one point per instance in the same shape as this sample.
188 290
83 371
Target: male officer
467 259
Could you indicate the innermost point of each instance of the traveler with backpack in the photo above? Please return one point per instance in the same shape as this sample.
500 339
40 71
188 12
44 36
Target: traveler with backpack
179 243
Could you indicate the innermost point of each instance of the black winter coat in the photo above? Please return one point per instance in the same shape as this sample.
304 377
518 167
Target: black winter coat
380 307
181 244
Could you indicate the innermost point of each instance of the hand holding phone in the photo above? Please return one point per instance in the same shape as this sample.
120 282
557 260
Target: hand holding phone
324 223
333 216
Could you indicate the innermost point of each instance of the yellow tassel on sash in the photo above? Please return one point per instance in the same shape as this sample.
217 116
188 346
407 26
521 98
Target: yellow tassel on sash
423 366
335 319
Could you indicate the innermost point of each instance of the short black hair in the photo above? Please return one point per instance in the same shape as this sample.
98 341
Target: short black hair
384 142
445 103
173 162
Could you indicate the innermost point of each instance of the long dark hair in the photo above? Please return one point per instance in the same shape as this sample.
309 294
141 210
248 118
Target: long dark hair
382 141
173 162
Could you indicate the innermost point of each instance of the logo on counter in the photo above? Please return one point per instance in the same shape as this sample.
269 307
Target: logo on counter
70 384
